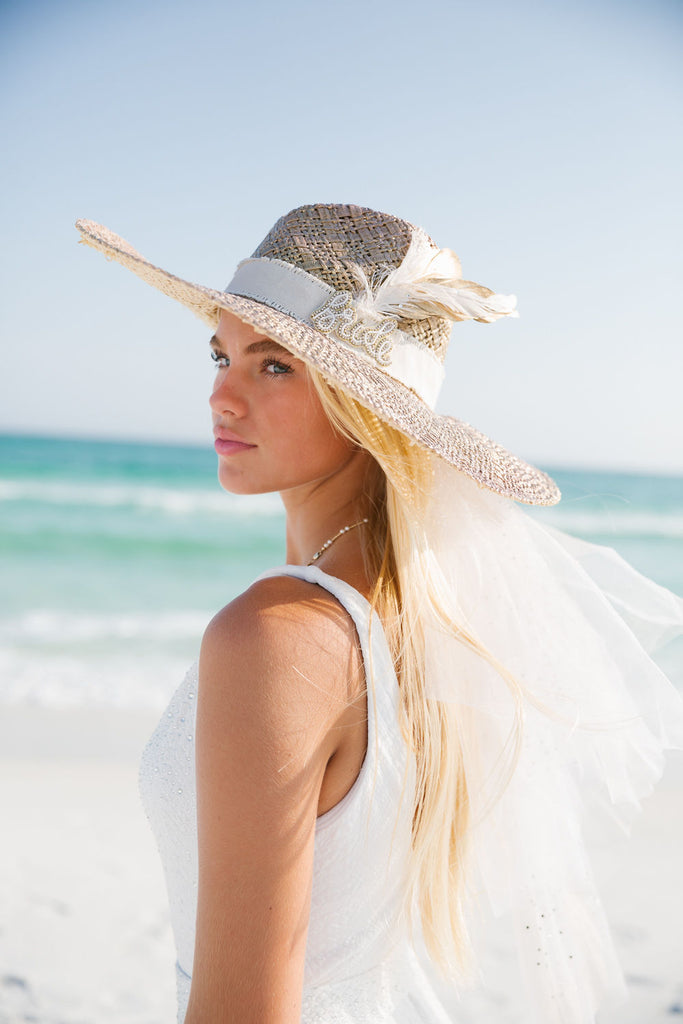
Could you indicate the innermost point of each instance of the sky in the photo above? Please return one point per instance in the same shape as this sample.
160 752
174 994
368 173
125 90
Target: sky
540 140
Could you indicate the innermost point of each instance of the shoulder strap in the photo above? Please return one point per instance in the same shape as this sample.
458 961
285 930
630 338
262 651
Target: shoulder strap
353 601
377 660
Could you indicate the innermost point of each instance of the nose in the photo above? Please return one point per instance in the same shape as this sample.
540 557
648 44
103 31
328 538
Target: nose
227 397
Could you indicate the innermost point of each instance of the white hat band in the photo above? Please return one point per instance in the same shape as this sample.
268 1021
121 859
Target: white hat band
293 291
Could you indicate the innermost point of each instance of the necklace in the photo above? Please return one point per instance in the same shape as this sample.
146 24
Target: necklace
340 533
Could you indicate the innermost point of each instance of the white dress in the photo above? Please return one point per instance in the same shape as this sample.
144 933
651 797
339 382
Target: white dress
360 963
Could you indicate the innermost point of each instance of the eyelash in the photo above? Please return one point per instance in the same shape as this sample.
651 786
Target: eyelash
222 362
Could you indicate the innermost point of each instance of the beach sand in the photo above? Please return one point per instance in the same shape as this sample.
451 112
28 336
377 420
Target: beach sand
85 934
84 930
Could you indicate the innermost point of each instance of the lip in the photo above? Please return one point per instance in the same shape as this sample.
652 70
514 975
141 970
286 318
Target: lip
231 447
227 443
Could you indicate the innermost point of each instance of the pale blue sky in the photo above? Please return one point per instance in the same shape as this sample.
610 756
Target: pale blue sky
542 141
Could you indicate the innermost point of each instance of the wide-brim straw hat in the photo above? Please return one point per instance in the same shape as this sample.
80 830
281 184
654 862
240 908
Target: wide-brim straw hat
368 300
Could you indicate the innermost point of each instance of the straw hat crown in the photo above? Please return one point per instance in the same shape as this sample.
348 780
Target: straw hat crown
334 241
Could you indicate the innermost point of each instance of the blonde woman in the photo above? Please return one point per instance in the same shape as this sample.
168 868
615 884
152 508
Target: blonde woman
388 742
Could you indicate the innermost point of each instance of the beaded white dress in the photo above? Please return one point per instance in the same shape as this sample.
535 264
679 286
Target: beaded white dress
360 964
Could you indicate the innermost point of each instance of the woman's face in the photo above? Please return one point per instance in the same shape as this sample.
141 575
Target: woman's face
270 429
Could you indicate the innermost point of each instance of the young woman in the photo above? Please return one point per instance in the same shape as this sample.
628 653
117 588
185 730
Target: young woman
406 727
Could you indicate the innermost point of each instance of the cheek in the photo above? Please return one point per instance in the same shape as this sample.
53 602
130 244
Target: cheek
312 435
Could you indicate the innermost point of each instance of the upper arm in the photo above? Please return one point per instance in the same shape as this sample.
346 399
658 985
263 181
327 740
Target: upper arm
272 684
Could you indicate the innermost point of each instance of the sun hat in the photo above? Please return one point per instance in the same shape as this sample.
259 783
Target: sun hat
369 300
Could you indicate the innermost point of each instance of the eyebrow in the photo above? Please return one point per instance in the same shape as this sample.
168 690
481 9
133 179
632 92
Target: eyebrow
266 345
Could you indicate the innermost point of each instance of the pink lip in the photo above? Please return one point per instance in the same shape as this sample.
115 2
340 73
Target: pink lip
225 447
227 443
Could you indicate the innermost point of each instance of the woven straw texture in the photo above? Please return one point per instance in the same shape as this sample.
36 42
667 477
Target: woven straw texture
326 240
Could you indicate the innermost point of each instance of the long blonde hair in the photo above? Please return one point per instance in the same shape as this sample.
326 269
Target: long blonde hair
397 493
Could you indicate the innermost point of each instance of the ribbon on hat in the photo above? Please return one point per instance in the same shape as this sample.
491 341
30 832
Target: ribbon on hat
299 294
426 283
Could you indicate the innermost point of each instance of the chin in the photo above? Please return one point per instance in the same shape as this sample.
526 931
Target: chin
234 483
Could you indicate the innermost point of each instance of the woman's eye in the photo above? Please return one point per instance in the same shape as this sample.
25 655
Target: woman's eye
220 360
275 368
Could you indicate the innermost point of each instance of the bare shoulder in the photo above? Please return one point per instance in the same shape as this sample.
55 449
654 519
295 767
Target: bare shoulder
284 648
282 603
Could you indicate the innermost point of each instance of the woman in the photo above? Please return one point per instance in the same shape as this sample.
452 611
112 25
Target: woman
394 734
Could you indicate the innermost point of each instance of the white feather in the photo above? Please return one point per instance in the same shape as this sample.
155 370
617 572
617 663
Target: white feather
429 282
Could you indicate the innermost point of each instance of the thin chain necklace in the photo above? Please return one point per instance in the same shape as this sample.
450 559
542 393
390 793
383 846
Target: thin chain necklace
340 533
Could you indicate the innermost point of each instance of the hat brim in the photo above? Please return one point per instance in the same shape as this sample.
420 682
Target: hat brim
453 440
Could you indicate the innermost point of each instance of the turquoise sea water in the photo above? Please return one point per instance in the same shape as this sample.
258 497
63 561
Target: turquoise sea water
115 556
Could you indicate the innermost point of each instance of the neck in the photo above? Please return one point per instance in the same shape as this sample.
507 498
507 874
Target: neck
316 511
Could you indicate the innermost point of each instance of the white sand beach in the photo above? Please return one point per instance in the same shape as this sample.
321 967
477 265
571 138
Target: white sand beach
84 931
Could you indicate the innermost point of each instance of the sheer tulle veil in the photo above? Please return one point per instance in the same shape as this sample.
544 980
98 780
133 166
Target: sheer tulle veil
575 626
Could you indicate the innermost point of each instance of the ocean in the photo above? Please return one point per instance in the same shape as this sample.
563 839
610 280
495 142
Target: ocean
116 555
